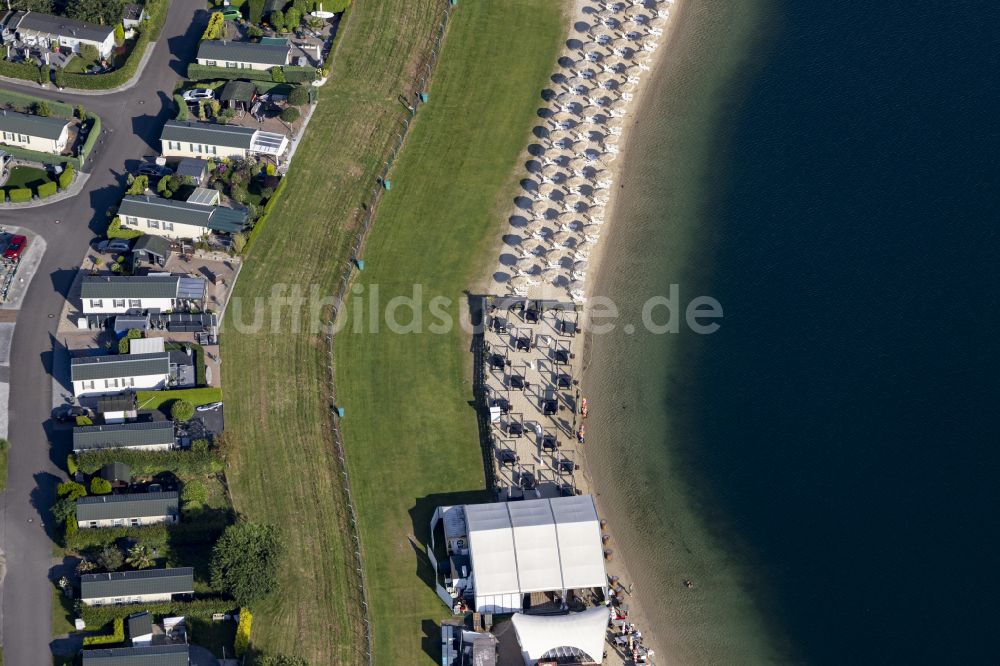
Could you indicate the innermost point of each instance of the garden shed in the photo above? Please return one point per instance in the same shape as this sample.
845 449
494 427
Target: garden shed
238 95
152 250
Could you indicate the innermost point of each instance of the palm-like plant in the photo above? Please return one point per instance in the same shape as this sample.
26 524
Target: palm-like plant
139 557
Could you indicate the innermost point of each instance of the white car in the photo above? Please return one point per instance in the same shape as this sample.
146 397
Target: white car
198 94
209 407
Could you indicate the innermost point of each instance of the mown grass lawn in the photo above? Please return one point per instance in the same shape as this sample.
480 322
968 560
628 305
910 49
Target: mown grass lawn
410 433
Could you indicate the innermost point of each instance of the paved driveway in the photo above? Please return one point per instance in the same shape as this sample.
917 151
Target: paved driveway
131 125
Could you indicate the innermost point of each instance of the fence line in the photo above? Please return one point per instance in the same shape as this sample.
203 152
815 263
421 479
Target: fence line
412 103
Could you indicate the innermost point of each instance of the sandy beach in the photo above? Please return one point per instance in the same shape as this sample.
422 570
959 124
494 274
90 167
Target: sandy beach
569 190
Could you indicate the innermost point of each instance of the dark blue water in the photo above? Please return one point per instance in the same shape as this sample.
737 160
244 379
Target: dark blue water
846 413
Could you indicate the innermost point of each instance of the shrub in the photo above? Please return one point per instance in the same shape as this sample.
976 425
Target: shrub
245 561
59 77
20 195
216 26
91 140
46 190
255 11
72 527
298 96
182 107
125 343
89 52
66 177
84 421
119 34
111 558
143 463
207 530
194 494
139 185
290 115
293 17
99 486
115 230
80 112
99 616
277 20
117 635
71 465
296 74
42 108
71 490
243 632
64 509
181 410
278 75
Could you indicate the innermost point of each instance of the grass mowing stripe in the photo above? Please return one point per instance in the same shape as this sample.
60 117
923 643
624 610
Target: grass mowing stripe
410 433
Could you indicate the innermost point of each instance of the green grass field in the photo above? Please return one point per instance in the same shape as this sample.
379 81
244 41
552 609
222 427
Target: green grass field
410 433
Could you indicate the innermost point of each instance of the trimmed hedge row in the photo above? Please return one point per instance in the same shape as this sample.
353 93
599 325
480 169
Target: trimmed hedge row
291 73
38 156
151 462
296 74
20 195
117 635
21 70
91 140
46 190
206 530
24 102
98 616
259 225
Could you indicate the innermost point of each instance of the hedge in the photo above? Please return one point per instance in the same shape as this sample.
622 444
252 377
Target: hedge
38 156
242 642
91 140
148 32
19 70
144 463
46 190
117 635
20 195
264 215
197 72
295 74
341 26
205 530
197 396
24 102
66 177
99 616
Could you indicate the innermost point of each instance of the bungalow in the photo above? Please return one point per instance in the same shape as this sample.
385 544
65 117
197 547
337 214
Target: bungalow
144 436
186 138
134 587
41 133
45 31
106 375
119 294
178 219
243 55
174 654
127 509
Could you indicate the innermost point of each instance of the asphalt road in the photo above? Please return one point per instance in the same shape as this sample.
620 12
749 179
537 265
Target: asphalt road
132 121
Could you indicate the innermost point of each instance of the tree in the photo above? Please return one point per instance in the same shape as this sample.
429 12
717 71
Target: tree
43 6
139 557
215 28
239 242
89 53
102 12
99 486
71 490
64 509
292 18
279 660
255 11
277 20
110 558
41 108
194 494
181 410
245 561
182 107
138 185
298 96
290 114
85 566
80 112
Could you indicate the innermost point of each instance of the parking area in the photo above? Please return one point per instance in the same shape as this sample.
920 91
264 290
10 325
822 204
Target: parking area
20 253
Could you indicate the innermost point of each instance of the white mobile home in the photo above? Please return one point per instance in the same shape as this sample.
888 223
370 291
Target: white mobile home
41 133
178 219
133 587
186 138
128 509
109 375
142 436
243 55
45 31
119 294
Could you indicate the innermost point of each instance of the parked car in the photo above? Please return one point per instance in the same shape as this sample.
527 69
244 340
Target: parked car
232 14
70 412
15 246
212 406
114 245
155 170
196 94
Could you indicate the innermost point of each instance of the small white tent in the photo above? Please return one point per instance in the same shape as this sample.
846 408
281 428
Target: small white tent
579 635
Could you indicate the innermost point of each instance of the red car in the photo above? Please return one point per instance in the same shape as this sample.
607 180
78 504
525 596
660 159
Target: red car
15 247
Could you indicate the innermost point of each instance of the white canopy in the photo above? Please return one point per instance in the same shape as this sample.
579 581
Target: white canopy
550 636
533 546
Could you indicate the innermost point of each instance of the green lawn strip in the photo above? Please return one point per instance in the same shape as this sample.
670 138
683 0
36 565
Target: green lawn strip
282 466
411 436
150 400
63 613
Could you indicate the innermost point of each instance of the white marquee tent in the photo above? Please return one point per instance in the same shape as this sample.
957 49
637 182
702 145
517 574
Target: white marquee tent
578 635
533 546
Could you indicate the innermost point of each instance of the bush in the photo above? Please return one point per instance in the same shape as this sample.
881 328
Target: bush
115 230
99 616
145 463
277 20
298 96
72 527
119 34
42 109
139 185
117 635
66 177
71 490
84 421
215 28
71 465
181 410
296 74
290 115
245 561
182 107
196 72
46 190
207 530
111 558
277 75
91 140
293 17
243 632
99 486
19 195
194 494
59 77
255 10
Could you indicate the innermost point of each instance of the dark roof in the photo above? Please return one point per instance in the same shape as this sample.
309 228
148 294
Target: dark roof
129 286
60 25
116 471
26 123
152 655
239 91
215 218
116 403
264 54
126 505
179 580
212 134
87 368
157 245
139 624
192 167
123 435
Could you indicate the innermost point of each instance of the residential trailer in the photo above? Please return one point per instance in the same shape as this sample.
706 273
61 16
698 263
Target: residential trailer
136 587
44 31
113 374
145 655
178 219
145 436
243 55
186 138
127 509
119 294
41 133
